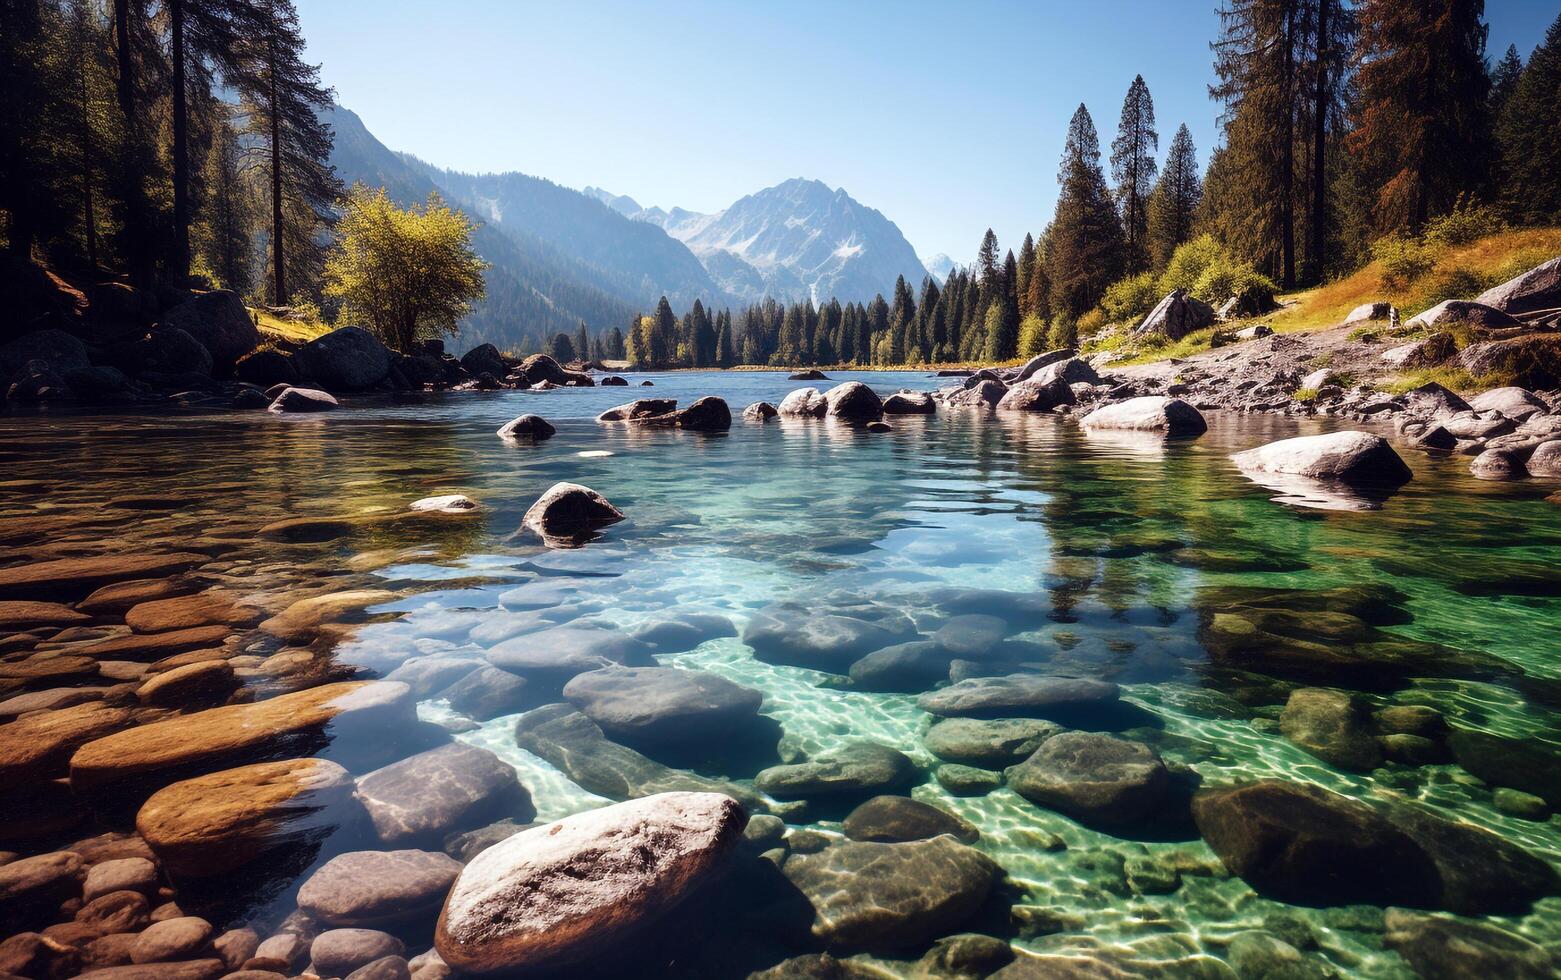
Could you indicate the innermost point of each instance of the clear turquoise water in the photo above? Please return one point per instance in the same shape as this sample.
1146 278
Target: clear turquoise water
829 515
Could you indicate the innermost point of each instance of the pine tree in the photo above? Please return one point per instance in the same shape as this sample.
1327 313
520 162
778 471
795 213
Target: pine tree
1420 122
582 342
614 345
987 260
282 98
661 340
902 315
1026 267
1133 167
1504 79
1329 28
1529 132
222 239
1038 295
1175 201
1085 249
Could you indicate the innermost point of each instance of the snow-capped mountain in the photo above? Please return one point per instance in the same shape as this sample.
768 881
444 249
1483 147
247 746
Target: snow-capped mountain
940 266
795 240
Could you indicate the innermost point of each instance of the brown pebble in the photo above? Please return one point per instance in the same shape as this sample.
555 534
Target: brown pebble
388 968
166 911
121 596
77 934
107 951
135 874
236 946
266 964
124 911
170 940
32 889
111 846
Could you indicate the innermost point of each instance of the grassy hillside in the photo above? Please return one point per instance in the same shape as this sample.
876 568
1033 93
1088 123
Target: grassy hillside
273 328
1460 272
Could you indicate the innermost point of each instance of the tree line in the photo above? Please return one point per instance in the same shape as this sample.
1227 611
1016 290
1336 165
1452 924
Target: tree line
1343 124
161 140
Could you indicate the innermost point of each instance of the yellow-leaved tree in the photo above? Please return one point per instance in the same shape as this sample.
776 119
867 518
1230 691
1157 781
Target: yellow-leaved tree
406 274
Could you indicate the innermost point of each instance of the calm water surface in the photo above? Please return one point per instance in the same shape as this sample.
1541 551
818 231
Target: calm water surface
1120 546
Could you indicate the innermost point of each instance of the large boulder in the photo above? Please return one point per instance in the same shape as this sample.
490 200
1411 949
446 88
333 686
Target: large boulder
346 359
662 705
853 401
909 403
985 393
1098 780
1150 413
221 323
707 414
1035 395
556 895
887 897
1354 457
266 368
56 348
797 636
569 511
893 819
1069 370
855 769
165 350
214 824
1513 402
1177 315
484 359
555 656
759 412
989 743
1537 289
1532 361
1046 359
423 799
539 367
806 402
1473 314
1367 312
1430 351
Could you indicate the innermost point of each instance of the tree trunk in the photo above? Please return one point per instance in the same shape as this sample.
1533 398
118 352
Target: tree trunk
278 272
126 61
1319 217
180 270
1287 158
88 216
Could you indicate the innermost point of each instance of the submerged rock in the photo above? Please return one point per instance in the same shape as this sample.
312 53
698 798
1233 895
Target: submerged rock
801 637
425 798
568 511
1097 780
554 656
855 769
888 897
370 889
891 819
562 893
1151 413
298 400
1439 948
1333 726
1021 695
994 744
662 705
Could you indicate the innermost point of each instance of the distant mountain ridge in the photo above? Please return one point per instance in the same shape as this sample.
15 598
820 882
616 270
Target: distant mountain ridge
559 256
798 239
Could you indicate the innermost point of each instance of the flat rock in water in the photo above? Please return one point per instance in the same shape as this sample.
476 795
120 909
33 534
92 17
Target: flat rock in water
450 503
1020 695
338 952
150 756
800 637
213 824
21 615
455 787
563 892
370 889
1349 456
854 769
891 819
640 408
291 401
185 612
74 578
1098 780
661 705
1439 948
994 744
301 620
558 654
1151 413
909 403
39 746
807 402
155 646
888 897
1333 726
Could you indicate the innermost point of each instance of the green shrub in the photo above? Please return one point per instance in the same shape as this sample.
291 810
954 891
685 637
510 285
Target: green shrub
1130 300
1305 395
1189 261
1221 280
1404 260
1065 333
1467 222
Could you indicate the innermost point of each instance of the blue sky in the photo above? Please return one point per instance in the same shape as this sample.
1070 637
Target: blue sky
948 117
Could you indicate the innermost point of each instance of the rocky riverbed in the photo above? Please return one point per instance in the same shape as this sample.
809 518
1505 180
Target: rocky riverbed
871 684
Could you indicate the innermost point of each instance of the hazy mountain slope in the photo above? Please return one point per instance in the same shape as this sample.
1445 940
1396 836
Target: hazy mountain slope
800 237
940 266
533 291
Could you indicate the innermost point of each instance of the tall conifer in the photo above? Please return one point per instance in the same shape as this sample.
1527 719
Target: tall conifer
1133 167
